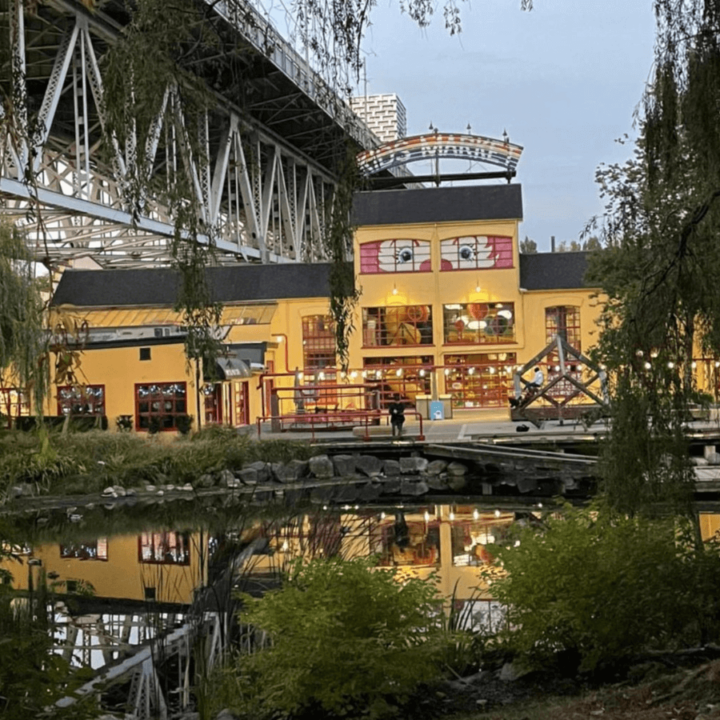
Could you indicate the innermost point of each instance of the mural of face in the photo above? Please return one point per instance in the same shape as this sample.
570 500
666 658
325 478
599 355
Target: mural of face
476 252
395 256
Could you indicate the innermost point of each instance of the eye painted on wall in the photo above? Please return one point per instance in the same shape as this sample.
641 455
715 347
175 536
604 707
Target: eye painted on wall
475 252
394 256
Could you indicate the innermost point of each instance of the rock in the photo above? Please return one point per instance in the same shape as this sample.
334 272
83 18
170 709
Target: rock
225 715
370 492
346 494
699 461
289 472
456 469
109 492
321 495
249 476
231 483
456 482
368 465
17 491
391 486
261 468
436 467
227 478
206 481
413 464
321 466
131 491
119 490
168 488
344 465
391 468
437 482
74 518
413 488
511 672
150 488
526 484
187 487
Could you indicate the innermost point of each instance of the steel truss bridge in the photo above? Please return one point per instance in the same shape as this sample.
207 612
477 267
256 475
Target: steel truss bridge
260 164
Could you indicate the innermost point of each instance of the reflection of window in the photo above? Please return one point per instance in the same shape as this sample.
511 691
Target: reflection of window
406 542
563 320
471 538
169 548
397 325
160 403
318 342
84 401
476 252
409 376
480 615
479 380
479 323
394 256
85 551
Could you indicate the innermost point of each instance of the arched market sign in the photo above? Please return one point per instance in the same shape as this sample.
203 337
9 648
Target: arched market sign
451 146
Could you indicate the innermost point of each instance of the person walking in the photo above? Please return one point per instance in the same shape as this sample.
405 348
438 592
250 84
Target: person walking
397 415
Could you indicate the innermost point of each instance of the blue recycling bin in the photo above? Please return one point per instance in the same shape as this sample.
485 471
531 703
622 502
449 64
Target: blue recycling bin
437 410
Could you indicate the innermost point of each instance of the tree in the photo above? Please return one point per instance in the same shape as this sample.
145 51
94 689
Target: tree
23 341
528 246
346 639
661 267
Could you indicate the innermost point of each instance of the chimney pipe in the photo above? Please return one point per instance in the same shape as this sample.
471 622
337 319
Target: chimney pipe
552 243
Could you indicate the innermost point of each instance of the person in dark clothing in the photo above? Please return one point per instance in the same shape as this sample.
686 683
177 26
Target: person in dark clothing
397 415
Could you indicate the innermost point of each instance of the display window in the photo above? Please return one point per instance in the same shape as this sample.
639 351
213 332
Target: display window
399 541
407 376
397 325
96 550
81 401
479 323
479 380
159 405
318 342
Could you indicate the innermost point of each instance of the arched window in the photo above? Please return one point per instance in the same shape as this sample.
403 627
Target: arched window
563 320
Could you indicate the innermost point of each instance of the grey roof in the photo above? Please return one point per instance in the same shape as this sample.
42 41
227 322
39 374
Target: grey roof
465 202
239 283
553 271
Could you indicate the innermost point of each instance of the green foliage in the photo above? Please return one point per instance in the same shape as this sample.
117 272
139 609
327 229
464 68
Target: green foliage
90 461
599 587
346 640
23 345
32 678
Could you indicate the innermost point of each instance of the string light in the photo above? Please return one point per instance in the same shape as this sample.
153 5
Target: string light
647 365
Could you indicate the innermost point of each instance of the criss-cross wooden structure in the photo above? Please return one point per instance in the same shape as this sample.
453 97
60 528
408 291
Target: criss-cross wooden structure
574 389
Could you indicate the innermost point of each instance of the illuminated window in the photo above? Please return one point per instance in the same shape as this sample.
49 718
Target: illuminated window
479 380
476 252
408 376
397 541
397 325
96 550
479 323
167 548
159 405
13 404
395 256
473 537
563 320
318 342
86 401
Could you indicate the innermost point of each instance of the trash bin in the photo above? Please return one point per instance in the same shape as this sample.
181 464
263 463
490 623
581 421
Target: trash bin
437 410
422 405
446 400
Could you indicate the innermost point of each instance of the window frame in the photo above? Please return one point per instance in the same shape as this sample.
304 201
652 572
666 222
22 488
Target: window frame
181 539
465 313
150 414
82 398
419 326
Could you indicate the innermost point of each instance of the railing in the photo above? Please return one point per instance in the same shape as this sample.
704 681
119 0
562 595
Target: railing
330 419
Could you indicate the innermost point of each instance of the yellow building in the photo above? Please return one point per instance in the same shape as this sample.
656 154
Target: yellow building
448 307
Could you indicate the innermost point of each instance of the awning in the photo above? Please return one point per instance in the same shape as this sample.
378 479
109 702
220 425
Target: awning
231 367
241 360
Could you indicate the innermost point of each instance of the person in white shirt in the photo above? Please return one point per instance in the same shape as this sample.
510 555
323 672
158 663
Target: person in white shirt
530 389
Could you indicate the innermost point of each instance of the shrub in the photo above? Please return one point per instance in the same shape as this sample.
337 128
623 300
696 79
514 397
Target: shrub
346 640
601 587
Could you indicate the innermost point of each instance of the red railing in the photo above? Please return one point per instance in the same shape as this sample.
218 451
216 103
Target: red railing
332 419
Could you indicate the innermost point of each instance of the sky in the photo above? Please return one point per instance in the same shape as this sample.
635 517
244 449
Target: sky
564 80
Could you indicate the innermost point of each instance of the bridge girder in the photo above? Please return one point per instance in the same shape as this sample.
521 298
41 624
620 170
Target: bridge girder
262 178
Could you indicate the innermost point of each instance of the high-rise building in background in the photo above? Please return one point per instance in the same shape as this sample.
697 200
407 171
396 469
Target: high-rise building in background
385 115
